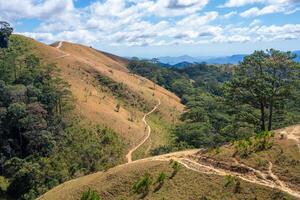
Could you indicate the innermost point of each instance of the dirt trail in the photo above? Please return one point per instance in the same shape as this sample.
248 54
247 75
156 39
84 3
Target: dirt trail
293 134
64 54
254 176
129 154
267 179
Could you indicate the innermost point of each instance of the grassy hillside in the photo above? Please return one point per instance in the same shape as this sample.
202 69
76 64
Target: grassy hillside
85 69
117 183
281 157
206 174
91 130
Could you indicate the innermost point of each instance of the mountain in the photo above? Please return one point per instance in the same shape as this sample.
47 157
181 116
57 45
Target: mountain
233 59
175 60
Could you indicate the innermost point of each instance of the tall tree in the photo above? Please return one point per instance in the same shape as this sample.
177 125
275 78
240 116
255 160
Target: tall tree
265 81
5 32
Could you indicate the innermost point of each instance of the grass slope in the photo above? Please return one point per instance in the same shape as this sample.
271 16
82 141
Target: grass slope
284 156
80 66
117 183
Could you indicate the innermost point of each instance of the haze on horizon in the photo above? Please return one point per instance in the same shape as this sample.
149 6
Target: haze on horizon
153 28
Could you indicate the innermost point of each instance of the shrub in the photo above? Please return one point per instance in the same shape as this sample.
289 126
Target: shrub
262 141
90 195
176 167
160 181
142 186
232 181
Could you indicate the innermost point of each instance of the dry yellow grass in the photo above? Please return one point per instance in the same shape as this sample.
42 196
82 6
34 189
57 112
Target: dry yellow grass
117 183
80 65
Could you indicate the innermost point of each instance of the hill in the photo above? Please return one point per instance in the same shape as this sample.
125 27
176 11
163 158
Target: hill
68 110
95 77
220 173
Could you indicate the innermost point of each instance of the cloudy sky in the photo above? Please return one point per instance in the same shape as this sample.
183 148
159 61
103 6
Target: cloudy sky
152 28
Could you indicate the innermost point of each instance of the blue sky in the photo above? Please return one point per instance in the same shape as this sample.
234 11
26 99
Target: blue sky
153 28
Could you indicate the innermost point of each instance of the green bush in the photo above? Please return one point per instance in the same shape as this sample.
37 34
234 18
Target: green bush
142 186
90 195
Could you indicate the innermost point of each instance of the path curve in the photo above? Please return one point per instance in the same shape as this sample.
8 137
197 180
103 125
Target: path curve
60 43
129 154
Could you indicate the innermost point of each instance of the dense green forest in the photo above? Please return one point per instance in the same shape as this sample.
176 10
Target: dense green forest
42 142
227 103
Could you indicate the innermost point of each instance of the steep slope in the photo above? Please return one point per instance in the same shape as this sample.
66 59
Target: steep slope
217 174
105 92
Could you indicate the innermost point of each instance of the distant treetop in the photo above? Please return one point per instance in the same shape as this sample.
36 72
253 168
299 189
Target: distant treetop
5 31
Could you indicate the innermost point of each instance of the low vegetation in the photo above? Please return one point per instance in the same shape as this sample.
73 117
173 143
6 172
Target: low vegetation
123 93
260 142
90 195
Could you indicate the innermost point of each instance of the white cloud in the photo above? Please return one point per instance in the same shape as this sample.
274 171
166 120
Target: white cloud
230 14
237 3
148 22
255 22
166 8
271 9
18 9
269 6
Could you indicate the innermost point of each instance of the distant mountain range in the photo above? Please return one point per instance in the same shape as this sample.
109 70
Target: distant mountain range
184 60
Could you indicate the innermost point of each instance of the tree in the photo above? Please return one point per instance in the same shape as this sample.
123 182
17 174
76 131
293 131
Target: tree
265 81
5 32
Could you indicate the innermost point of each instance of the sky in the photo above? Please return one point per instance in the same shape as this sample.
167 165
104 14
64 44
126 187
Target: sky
154 28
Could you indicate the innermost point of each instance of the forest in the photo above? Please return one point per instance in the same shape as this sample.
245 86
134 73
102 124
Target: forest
227 103
42 141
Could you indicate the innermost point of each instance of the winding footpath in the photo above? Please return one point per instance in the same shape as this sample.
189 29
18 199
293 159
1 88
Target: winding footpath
60 43
129 154
186 158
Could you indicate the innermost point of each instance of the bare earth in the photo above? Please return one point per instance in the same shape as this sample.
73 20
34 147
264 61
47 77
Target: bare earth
129 155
